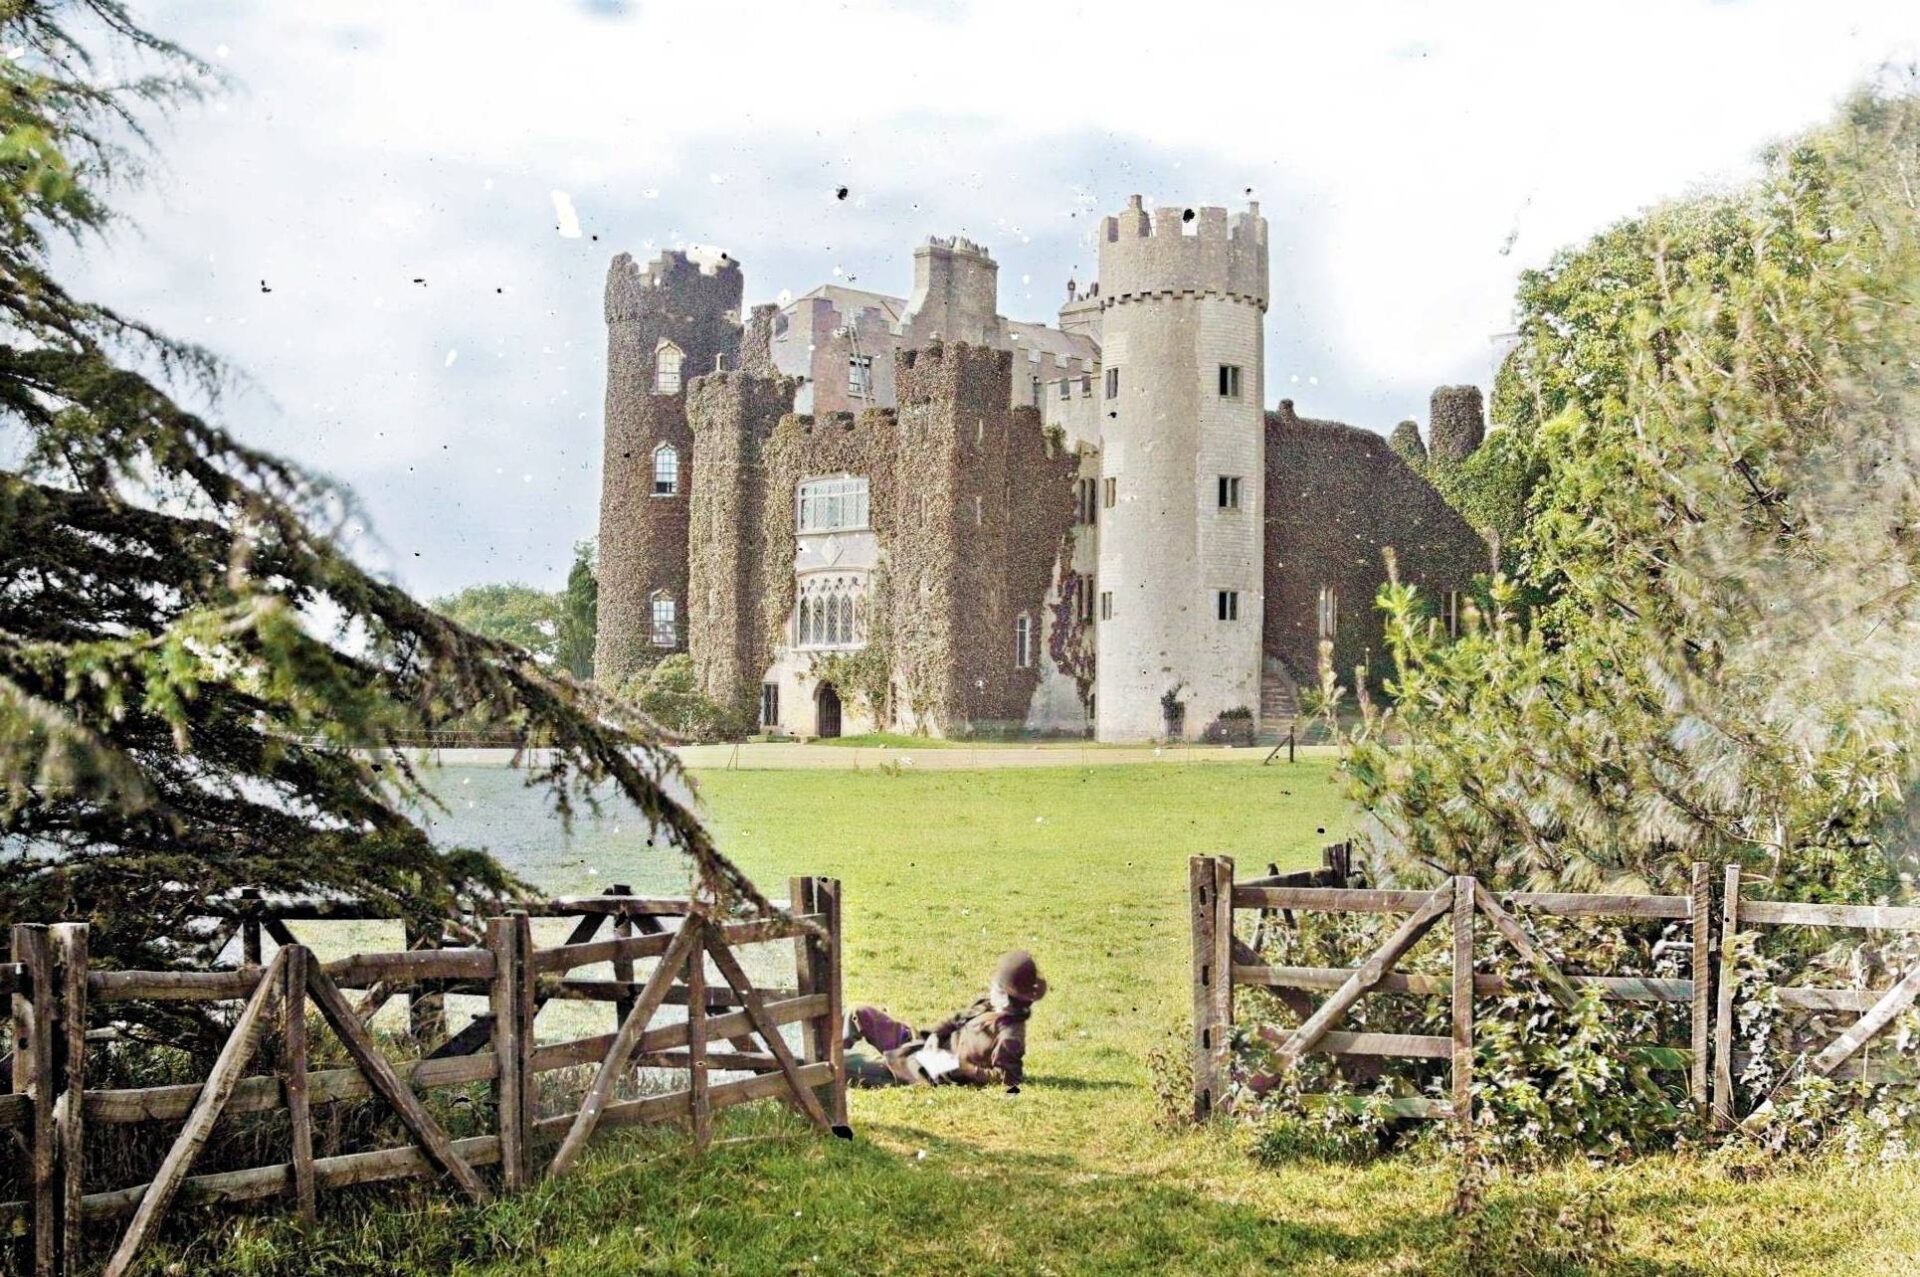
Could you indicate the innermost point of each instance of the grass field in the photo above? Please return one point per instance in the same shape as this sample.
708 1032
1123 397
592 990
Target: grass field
1088 868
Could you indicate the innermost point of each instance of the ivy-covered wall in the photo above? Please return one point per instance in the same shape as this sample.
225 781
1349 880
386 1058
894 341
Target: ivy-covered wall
1336 497
970 502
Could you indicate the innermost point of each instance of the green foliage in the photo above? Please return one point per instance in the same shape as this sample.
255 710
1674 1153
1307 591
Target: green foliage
1724 416
512 613
1491 486
669 695
190 662
579 614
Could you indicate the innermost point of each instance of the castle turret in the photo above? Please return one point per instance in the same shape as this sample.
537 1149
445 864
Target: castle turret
956 294
1182 295
665 326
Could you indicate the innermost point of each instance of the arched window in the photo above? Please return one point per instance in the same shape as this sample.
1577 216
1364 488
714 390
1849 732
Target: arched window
667 359
800 635
666 470
846 618
833 620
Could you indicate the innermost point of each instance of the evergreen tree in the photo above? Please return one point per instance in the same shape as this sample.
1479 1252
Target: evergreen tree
187 655
579 614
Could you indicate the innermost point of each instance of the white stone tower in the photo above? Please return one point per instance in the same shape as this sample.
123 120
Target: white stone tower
1183 468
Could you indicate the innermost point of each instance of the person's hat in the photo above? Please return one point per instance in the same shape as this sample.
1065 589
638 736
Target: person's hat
1020 977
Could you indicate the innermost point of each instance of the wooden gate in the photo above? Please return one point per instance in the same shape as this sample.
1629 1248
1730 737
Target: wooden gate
53 998
1223 963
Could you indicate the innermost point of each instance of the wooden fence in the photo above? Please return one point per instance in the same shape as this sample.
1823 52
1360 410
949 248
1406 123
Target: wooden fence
61 1008
1223 962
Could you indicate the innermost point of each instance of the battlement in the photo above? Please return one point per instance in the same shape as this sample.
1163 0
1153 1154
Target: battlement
958 245
673 281
1175 249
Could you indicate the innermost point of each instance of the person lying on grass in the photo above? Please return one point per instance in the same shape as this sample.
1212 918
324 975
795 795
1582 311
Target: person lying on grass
984 1044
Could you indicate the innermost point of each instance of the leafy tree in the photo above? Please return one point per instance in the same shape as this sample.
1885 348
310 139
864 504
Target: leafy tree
513 613
579 614
1723 407
669 694
187 654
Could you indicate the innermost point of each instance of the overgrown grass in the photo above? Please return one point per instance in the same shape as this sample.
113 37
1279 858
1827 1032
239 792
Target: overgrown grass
943 870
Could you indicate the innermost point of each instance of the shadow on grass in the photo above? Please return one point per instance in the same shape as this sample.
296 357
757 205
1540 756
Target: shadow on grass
775 1199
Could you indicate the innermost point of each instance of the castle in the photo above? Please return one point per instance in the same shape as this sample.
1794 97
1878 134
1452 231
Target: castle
861 512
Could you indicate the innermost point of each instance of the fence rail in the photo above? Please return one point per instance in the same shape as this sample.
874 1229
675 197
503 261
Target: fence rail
59 1006
1224 963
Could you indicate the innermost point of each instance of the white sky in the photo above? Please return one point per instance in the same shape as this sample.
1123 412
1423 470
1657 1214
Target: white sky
1411 158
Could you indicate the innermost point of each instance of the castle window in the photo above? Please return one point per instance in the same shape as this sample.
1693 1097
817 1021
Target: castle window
860 375
1229 492
666 629
829 613
1110 493
1113 383
1085 500
666 470
769 704
827 504
1329 611
1226 605
1086 385
1036 392
1454 611
1229 381
1022 641
1066 388
1083 601
1106 605
667 359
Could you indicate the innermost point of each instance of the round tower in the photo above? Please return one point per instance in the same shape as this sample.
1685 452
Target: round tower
1183 463
666 325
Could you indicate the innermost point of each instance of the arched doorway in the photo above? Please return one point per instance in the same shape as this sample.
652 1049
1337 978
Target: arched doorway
827 711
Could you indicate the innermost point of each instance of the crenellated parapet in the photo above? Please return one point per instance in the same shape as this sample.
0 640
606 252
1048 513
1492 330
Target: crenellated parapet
1173 250
672 285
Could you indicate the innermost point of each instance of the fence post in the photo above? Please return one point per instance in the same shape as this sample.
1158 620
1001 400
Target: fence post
69 958
622 967
251 948
426 1004
1723 1006
293 1081
35 1024
1701 908
1210 888
507 938
826 898
1463 890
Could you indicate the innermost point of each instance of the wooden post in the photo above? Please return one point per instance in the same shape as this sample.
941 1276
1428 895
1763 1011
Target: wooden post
35 1024
1723 1006
250 946
513 1080
622 967
1701 907
1210 888
1463 908
293 1081
826 903
426 1004
699 1106
69 954
806 967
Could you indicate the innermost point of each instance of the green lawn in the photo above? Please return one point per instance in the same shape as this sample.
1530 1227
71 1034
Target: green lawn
942 870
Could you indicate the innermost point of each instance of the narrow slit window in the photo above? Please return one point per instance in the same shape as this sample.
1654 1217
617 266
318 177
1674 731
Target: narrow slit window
1226 604
1111 493
1106 605
1113 383
1229 491
1229 381
1022 641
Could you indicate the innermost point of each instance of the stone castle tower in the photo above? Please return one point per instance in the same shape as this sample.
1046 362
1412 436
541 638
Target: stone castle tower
665 325
1182 465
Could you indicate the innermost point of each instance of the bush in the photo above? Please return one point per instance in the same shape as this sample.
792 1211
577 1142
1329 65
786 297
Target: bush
670 696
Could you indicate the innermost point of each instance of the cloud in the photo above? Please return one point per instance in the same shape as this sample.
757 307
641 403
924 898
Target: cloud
389 172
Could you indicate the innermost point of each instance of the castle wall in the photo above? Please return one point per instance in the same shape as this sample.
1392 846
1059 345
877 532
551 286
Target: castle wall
643 537
1336 496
